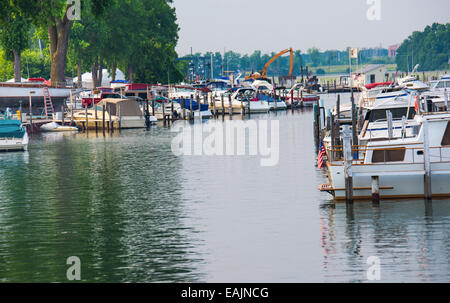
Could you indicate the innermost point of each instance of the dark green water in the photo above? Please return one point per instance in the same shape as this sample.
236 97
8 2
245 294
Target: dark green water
134 212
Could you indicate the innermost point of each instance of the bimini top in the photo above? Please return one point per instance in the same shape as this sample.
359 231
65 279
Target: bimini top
11 129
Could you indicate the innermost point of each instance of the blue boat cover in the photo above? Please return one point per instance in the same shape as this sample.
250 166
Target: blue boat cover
203 107
11 129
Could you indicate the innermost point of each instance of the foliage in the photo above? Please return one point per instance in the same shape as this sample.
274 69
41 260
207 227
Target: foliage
429 48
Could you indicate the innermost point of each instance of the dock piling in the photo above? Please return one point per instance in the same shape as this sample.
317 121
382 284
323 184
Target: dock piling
375 190
348 159
427 163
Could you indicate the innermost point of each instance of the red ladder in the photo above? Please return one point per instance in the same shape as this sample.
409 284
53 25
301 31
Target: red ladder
48 104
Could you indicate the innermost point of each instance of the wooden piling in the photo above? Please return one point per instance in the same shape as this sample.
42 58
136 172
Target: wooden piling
292 101
223 105
213 101
231 107
191 114
427 162
375 189
103 117
86 116
172 110
348 159
164 111
31 115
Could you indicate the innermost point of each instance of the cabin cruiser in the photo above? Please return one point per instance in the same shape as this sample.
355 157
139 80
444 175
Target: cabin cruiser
301 96
120 113
441 85
243 97
399 164
13 136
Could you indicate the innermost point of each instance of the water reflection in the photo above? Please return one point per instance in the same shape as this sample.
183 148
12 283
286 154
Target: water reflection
116 206
412 243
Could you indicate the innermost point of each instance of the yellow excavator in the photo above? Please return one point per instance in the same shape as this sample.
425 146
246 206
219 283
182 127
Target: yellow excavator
263 73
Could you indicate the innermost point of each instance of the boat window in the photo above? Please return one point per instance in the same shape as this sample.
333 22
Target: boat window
446 138
440 84
397 113
388 155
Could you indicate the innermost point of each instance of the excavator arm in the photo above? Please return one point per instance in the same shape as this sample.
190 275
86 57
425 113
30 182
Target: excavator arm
264 71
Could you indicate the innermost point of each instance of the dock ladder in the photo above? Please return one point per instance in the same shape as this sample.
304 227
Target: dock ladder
48 104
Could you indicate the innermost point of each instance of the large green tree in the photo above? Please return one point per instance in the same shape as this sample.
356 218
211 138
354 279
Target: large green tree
56 17
14 37
429 48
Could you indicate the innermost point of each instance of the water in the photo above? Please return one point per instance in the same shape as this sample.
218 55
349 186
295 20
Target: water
134 212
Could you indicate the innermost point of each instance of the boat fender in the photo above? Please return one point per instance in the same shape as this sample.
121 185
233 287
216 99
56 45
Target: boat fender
416 104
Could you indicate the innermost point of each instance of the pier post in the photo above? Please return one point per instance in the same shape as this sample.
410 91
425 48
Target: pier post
446 99
31 114
171 110
96 117
427 163
375 190
301 99
213 101
191 114
103 117
119 111
248 106
183 108
62 110
110 126
242 108
292 101
348 159
354 127
275 105
86 116
230 109
223 106
164 111
389 124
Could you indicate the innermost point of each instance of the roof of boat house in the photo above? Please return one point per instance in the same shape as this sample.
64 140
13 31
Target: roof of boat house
369 68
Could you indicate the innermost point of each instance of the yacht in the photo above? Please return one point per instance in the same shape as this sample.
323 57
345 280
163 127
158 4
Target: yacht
399 164
13 136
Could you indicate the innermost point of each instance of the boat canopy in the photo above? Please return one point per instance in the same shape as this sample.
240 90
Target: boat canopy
11 129
128 107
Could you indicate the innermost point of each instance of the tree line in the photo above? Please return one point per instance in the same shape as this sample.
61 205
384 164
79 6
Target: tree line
136 36
429 48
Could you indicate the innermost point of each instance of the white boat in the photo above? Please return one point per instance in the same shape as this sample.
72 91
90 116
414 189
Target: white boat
122 113
441 85
399 164
301 96
243 97
12 94
56 127
13 136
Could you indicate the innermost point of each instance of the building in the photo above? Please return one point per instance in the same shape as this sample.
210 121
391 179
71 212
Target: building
374 73
392 50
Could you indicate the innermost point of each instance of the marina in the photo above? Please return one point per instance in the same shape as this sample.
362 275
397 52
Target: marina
145 141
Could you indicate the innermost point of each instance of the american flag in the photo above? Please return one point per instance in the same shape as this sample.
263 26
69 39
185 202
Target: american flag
320 156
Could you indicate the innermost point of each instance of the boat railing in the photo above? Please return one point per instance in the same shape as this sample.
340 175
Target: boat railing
390 155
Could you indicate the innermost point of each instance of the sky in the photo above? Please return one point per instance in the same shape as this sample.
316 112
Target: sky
274 25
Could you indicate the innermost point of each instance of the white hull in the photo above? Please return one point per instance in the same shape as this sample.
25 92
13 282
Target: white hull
397 180
14 144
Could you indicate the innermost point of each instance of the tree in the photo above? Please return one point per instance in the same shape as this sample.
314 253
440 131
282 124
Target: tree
314 54
429 49
15 38
54 16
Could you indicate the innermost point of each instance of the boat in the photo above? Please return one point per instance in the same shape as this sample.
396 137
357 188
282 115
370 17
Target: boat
398 164
119 114
246 97
15 95
58 127
13 136
441 85
203 111
301 96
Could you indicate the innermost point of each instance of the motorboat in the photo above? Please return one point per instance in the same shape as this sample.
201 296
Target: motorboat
301 96
243 98
118 113
59 127
13 136
398 164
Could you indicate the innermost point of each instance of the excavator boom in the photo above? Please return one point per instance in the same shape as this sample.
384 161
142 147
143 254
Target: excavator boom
263 73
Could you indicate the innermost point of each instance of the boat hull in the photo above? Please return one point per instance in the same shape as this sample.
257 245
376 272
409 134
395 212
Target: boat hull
396 181
14 144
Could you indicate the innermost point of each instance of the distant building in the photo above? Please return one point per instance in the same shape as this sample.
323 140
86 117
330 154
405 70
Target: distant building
392 50
374 73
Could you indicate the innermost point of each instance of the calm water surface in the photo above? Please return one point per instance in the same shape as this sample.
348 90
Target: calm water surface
134 212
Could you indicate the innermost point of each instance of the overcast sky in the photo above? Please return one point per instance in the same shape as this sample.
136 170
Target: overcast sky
272 25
